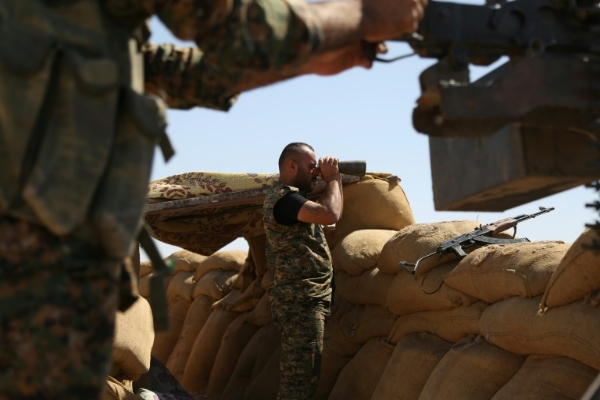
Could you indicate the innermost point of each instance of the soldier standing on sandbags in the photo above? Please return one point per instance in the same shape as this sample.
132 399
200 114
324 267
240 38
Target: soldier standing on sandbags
77 138
296 247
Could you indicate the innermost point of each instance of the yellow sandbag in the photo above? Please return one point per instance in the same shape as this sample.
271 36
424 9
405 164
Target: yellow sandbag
145 268
144 284
410 365
164 342
577 274
228 260
451 325
239 301
418 240
115 389
134 336
409 293
215 284
185 260
360 376
365 322
548 378
359 250
267 279
261 314
570 330
265 385
181 285
370 287
496 272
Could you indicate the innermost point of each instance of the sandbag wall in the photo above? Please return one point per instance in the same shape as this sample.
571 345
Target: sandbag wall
508 321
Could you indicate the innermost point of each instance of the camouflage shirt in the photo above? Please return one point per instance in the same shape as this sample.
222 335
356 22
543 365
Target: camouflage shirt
299 254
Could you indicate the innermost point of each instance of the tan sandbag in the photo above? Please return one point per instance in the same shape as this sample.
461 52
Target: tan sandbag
360 376
239 301
185 260
144 284
265 385
338 350
570 330
409 293
496 272
471 370
215 284
115 389
194 321
370 287
359 250
256 249
145 269
267 279
577 274
418 240
412 361
205 350
236 337
365 322
451 325
261 314
181 285
134 336
228 260
255 356
164 342
373 203
548 378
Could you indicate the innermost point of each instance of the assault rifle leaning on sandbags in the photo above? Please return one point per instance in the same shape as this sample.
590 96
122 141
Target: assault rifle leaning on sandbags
480 236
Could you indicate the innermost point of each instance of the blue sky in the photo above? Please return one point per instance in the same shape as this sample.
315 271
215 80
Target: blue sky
359 114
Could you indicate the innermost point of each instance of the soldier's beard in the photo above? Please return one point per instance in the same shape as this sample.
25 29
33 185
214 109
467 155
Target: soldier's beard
305 181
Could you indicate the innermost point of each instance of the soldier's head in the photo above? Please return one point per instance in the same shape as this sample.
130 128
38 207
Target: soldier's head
298 166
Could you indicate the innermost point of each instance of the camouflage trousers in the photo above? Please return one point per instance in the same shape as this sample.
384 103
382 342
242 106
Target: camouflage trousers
57 313
302 325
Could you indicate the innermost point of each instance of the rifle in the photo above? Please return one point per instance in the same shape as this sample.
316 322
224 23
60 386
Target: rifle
480 236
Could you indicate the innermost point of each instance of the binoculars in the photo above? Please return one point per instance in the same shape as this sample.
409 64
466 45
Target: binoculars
354 167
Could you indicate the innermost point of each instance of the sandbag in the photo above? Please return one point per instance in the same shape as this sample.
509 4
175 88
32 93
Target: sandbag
267 279
359 250
577 274
256 250
570 330
144 284
255 356
134 336
228 260
164 342
370 287
409 293
372 203
205 350
194 321
451 325
261 314
496 272
418 240
471 370
265 385
181 285
184 260
114 389
365 322
240 301
548 378
360 376
215 284
412 361
145 269
236 337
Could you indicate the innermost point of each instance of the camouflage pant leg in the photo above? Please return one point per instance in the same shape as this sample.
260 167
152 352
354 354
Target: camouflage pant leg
56 325
301 349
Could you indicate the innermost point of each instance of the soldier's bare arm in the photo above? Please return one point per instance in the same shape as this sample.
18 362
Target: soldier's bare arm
329 210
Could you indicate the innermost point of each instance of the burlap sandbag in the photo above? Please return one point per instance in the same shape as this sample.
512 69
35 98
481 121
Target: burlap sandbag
409 293
114 389
241 301
410 365
261 314
236 337
577 274
185 260
134 336
365 322
265 385
451 325
370 287
181 286
215 284
228 260
496 272
205 350
570 330
471 370
195 319
145 268
144 284
164 342
418 240
373 203
548 378
255 356
267 279
359 250
360 376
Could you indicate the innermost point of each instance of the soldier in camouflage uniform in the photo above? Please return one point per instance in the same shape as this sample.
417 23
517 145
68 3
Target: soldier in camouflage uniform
77 137
301 292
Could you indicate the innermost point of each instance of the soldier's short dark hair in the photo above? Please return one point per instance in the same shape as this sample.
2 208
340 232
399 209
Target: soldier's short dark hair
293 149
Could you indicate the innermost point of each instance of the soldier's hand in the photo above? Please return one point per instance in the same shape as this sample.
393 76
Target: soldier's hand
388 19
336 61
329 169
